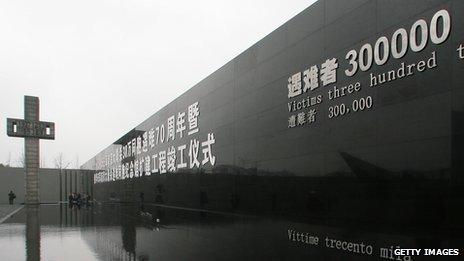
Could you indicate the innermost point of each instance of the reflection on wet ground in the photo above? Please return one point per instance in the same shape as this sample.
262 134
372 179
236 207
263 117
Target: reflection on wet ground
34 234
151 232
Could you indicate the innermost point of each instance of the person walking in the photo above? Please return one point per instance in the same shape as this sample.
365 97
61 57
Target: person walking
11 197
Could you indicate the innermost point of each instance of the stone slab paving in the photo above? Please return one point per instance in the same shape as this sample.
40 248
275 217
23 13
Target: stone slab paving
7 211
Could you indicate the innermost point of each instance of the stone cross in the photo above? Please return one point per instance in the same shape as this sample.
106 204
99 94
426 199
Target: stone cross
31 129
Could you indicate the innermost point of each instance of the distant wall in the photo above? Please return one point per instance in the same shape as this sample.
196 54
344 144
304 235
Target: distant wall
72 180
11 179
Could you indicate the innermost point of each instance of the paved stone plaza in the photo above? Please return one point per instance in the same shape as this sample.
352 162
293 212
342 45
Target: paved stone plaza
6 211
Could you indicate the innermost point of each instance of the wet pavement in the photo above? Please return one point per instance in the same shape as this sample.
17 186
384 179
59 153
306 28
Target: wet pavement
24 237
151 232
8 210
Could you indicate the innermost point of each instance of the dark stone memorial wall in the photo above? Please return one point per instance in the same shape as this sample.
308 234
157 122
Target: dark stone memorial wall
349 117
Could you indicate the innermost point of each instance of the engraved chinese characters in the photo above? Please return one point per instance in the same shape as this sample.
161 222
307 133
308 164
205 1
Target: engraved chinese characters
147 154
399 45
311 76
328 74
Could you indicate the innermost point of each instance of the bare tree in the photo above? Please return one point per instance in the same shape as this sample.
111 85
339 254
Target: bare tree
60 162
21 161
8 163
42 162
76 162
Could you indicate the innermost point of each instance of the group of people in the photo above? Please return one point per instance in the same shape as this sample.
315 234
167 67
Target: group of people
76 199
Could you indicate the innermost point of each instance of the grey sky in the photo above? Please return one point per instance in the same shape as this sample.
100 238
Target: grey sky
102 67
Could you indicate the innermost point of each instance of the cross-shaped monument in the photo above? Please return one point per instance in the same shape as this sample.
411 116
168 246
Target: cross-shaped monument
31 129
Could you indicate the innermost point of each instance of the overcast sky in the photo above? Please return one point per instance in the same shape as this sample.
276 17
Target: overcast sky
102 67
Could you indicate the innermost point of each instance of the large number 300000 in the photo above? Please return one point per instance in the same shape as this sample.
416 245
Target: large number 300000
418 38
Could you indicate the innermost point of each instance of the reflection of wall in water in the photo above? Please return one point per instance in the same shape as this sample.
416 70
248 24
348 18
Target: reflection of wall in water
107 243
113 232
